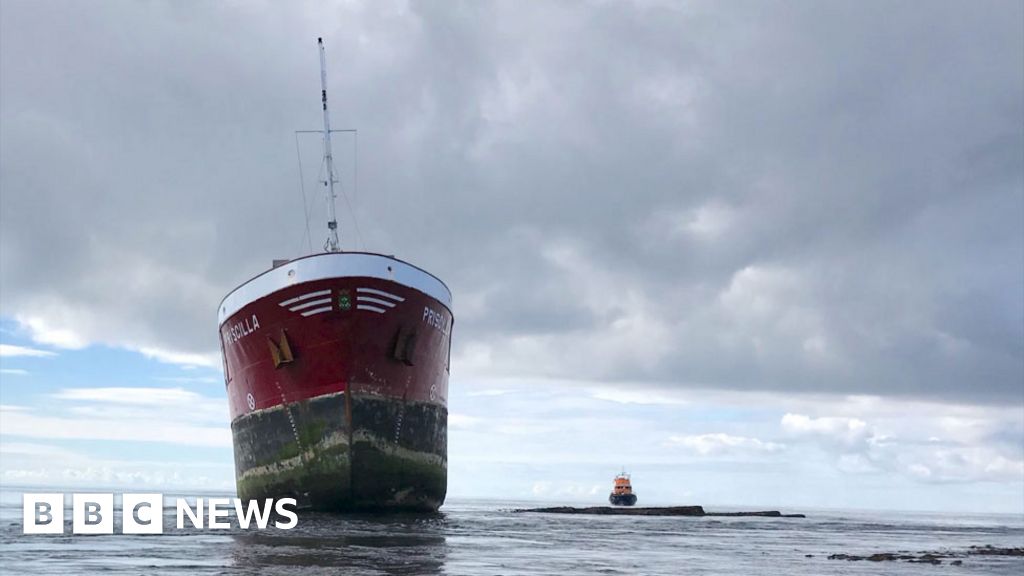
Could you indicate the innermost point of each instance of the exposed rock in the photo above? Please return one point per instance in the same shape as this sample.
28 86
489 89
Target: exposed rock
766 513
658 511
989 550
887 557
934 557
927 559
661 511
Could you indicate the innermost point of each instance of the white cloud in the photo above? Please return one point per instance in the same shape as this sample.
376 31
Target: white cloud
632 326
920 471
707 222
210 360
630 395
14 371
721 443
967 454
37 464
849 432
136 396
22 476
489 392
10 350
963 464
164 415
44 332
40 450
573 491
758 293
190 379
831 426
856 464
161 428
462 421
1001 466
173 405
541 488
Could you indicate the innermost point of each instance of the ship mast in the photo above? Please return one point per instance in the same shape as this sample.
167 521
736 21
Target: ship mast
332 223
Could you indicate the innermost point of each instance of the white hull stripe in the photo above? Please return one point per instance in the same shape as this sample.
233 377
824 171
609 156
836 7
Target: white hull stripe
381 293
370 308
368 300
305 297
316 311
310 304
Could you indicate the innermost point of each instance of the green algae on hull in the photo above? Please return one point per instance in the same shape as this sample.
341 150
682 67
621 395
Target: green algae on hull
309 451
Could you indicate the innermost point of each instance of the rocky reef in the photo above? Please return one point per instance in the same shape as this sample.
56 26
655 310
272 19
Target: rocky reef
655 511
931 557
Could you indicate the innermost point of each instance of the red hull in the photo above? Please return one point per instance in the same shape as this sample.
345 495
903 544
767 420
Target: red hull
355 329
335 351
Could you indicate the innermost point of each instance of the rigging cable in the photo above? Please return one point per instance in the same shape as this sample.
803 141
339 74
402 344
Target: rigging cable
355 221
305 205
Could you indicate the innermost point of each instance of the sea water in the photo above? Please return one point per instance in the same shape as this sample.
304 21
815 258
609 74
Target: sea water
488 537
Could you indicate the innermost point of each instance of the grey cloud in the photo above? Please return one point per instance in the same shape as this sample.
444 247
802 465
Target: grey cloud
866 158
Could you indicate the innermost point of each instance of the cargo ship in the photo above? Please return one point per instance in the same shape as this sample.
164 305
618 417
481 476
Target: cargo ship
336 366
622 491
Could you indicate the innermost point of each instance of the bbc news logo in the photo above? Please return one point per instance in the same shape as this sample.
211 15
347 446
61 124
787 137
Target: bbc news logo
144 513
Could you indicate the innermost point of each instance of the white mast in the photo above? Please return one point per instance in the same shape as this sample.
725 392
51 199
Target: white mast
332 223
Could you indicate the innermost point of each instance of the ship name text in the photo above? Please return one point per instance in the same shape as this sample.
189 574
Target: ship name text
241 329
438 320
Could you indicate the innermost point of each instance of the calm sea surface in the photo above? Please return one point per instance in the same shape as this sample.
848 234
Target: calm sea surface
485 537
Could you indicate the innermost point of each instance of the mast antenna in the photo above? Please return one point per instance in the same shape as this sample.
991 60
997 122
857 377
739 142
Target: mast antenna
332 222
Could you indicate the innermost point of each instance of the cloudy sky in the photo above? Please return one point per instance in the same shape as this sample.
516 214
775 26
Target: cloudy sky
757 253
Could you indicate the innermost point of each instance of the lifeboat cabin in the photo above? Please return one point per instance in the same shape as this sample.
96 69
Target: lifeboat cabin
622 491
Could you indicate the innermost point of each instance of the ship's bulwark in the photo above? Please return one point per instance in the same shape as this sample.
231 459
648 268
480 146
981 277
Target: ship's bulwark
337 384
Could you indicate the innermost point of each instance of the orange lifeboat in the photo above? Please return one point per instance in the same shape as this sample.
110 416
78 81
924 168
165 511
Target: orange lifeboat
622 491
